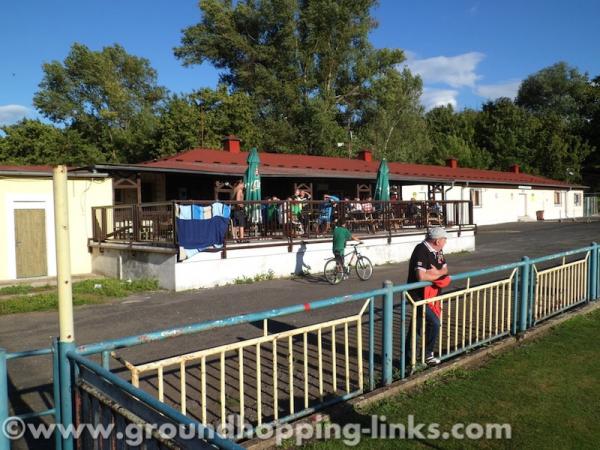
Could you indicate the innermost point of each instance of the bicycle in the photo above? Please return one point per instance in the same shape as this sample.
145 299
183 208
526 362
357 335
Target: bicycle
363 267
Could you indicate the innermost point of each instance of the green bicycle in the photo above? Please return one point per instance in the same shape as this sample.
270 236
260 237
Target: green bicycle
363 266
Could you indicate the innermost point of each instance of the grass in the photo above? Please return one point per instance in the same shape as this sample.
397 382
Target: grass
255 279
547 390
22 289
87 292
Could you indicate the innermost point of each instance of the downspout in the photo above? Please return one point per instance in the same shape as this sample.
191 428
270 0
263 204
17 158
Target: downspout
451 186
445 206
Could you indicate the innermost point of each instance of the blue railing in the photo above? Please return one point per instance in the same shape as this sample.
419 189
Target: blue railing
517 294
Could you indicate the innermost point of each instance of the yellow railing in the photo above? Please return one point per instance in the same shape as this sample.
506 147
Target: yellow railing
327 384
469 317
560 287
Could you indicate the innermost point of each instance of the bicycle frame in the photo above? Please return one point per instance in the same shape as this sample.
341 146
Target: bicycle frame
354 255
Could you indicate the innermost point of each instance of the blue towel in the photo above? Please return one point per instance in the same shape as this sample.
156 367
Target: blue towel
201 234
185 212
197 212
217 209
226 211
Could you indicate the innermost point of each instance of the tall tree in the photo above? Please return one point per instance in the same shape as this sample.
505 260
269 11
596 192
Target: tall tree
453 135
559 89
392 118
109 97
202 119
508 133
306 65
566 102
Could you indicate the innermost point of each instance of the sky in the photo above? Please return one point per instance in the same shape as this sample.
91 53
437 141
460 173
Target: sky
467 52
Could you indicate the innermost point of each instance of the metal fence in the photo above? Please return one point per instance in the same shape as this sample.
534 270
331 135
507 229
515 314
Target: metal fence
272 220
284 375
469 317
283 357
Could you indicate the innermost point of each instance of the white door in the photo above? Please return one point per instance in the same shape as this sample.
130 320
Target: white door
522 205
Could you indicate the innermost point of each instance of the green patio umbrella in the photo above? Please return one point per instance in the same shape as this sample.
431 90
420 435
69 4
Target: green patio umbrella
252 183
382 187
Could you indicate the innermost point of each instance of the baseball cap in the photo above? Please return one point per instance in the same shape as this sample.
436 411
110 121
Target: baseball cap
436 233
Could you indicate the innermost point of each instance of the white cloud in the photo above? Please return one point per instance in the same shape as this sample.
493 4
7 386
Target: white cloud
455 71
438 97
494 91
12 113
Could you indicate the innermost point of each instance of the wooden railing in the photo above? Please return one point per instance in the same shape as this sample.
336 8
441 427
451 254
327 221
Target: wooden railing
155 223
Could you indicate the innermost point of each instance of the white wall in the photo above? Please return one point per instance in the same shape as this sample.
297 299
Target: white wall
501 205
208 269
36 192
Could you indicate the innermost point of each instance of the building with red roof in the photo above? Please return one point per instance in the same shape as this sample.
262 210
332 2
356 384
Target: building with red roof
203 173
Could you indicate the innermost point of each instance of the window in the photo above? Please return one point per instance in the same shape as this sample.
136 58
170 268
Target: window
476 197
577 198
557 198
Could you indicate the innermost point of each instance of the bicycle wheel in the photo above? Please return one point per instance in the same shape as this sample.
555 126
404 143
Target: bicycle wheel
364 268
331 272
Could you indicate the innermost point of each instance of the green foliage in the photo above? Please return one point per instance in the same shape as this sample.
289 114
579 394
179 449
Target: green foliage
568 104
453 135
85 292
508 133
255 279
393 120
307 66
558 89
31 142
17 289
109 97
114 288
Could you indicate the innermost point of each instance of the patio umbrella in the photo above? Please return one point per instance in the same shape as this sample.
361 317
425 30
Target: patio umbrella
252 183
382 187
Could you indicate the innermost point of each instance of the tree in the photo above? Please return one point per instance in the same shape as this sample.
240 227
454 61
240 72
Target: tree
453 135
203 118
558 89
392 118
566 102
508 133
109 97
33 142
307 66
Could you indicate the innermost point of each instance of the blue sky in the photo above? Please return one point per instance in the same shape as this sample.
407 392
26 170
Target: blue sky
466 51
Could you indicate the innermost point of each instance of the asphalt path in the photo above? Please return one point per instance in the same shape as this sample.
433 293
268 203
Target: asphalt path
143 313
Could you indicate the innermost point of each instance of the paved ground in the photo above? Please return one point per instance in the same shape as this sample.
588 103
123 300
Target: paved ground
143 313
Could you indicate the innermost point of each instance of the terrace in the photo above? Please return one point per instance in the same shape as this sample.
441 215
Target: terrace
275 223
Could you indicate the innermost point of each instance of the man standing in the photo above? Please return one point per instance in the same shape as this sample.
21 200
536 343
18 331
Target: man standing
326 215
239 214
427 263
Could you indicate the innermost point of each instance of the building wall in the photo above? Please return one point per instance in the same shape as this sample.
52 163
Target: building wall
29 192
501 205
208 269
126 264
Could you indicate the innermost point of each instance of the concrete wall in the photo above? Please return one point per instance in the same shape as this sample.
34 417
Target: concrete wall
208 269
36 193
501 205
126 264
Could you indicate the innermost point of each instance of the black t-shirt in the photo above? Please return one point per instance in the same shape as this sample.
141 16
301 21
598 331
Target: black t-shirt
423 258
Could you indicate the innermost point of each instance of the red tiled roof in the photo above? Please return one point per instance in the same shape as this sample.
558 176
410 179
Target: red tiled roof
26 169
281 164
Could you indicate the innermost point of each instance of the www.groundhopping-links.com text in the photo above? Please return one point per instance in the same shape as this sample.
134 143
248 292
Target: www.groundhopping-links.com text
350 434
